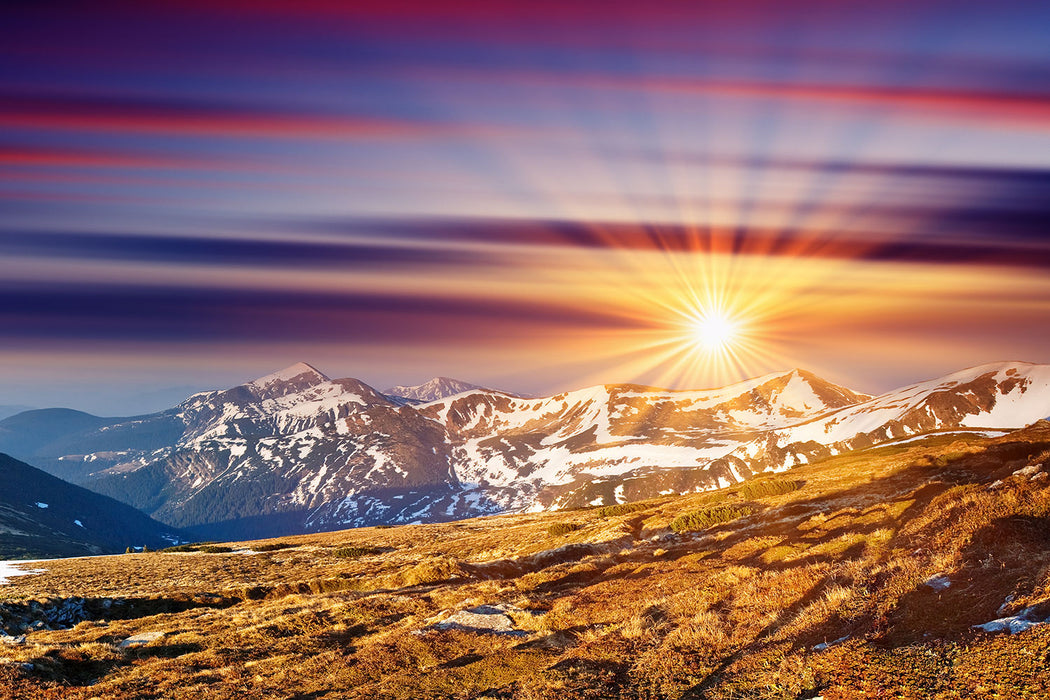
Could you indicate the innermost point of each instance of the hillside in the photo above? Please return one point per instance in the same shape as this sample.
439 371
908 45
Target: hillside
42 516
898 571
296 451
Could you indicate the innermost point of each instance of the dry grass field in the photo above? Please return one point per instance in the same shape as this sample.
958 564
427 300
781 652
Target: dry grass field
859 577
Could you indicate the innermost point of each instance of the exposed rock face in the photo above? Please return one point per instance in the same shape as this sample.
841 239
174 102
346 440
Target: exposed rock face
297 451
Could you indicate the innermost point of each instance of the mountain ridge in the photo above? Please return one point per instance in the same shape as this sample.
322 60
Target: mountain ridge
315 453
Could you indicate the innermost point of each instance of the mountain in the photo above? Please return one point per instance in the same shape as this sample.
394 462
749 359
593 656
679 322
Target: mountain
70 443
434 390
7 410
297 451
283 453
43 516
623 442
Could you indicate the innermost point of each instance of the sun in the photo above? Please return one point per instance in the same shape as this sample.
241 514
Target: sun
715 332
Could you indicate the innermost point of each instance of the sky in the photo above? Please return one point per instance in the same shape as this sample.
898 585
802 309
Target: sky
534 196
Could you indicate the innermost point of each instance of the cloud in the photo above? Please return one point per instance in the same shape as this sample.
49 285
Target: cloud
202 314
233 252
200 118
994 233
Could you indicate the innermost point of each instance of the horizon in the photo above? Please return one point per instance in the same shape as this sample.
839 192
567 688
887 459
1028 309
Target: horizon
534 198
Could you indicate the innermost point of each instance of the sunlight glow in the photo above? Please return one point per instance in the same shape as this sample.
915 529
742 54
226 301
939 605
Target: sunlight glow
714 332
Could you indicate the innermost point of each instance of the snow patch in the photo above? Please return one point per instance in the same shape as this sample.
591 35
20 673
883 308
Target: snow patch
10 569
1014 624
824 645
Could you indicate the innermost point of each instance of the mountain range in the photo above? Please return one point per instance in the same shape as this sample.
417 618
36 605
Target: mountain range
296 451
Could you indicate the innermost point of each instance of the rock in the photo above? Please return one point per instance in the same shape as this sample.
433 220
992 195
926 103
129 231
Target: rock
140 639
486 619
938 582
1028 471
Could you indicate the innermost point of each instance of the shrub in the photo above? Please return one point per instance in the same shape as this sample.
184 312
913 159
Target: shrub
181 548
273 546
768 487
948 457
192 547
621 509
354 552
559 529
215 549
706 517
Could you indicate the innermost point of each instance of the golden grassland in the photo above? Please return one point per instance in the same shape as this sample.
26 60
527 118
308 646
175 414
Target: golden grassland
816 588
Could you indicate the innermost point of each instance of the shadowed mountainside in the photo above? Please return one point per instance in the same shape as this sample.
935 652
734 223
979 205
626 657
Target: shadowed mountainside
42 516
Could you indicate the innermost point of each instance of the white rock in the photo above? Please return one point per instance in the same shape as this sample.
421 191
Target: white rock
938 582
141 639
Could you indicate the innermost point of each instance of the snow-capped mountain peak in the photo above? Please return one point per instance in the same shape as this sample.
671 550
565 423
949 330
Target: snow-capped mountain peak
434 390
289 380
799 393
298 371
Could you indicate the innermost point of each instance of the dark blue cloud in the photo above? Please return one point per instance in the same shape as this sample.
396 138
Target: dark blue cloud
126 312
234 252
1009 230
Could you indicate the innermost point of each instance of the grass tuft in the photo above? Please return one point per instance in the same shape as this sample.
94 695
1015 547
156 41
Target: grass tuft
561 529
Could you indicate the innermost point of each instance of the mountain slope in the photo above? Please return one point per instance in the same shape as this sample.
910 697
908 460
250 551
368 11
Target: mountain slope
42 516
296 451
